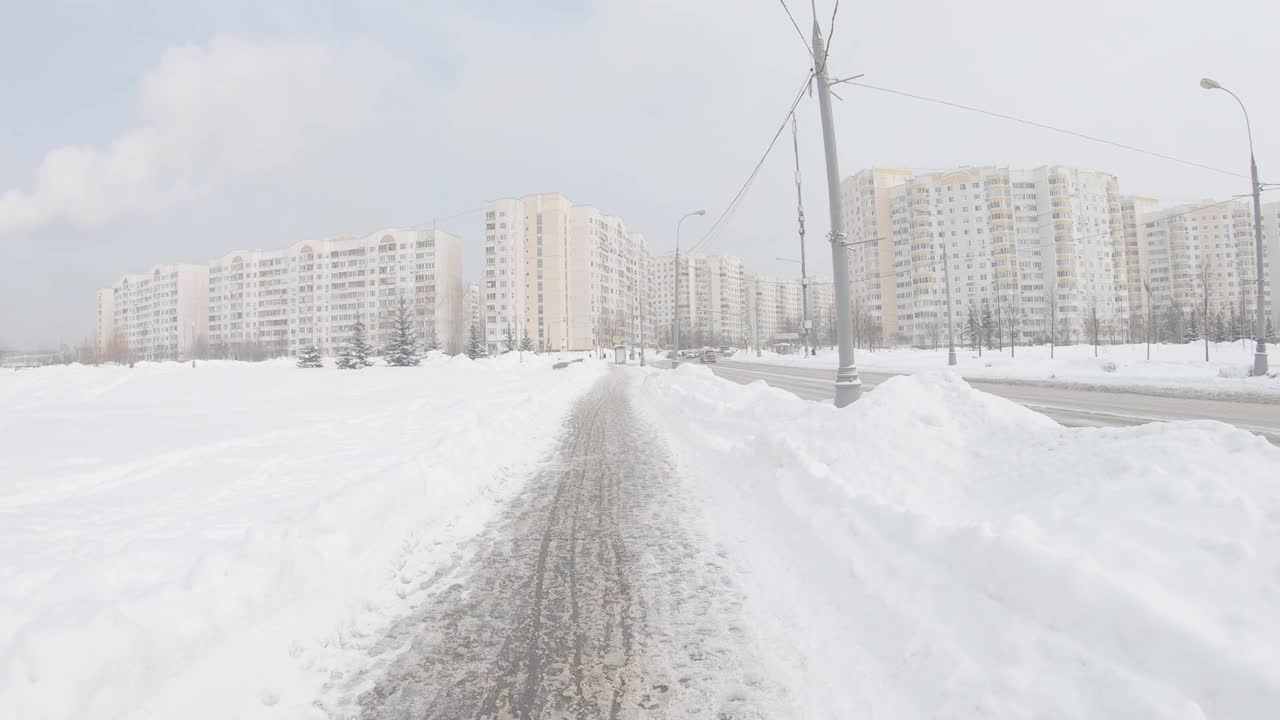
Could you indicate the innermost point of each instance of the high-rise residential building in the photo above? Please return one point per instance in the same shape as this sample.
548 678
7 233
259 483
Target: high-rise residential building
1187 254
106 320
1045 244
1271 265
869 230
712 299
571 276
274 302
474 312
773 309
158 315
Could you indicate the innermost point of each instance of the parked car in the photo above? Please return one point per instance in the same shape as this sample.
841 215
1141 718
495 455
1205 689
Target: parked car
671 354
708 357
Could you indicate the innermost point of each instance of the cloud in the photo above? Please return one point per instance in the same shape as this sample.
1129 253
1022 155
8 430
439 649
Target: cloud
208 114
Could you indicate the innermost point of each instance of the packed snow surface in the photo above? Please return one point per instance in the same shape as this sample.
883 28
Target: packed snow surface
1173 369
222 541
933 551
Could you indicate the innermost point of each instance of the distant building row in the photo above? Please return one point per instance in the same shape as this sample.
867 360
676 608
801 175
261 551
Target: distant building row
1051 245
262 303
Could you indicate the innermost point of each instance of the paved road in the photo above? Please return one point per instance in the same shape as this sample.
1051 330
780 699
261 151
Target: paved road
1069 406
589 598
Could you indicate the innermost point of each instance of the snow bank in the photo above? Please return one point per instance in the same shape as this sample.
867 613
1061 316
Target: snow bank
935 551
214 542
1173 369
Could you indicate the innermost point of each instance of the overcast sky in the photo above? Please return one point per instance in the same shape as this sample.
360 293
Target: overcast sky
144 132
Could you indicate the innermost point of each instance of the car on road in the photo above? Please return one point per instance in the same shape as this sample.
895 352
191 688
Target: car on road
708 357
671 354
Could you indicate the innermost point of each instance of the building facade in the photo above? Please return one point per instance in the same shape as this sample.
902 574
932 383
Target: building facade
157 315
264 303
571 277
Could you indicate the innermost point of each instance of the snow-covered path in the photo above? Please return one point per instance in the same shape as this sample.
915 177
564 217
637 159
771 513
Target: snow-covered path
589 598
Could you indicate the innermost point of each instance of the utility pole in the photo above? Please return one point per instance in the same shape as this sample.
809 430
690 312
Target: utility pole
848 384
804 278
946 274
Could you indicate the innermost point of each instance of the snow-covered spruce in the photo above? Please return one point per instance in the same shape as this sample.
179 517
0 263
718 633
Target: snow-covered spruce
475 344
355 354
310 357
402 348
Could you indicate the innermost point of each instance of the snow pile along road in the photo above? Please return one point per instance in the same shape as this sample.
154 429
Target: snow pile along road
934 551
1172 369
215 542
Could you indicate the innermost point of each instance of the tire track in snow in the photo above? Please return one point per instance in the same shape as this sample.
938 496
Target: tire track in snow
588 598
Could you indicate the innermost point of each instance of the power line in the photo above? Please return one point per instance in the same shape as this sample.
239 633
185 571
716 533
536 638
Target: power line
1045 126
796 25
737 198
831 31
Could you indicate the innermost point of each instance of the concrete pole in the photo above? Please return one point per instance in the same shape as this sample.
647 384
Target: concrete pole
848 384
1260 350
804 277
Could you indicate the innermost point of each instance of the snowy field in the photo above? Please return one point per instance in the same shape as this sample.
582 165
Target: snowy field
216 542
1173 369
937 552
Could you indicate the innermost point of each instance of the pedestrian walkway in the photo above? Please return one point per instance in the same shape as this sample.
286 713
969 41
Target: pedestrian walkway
590 597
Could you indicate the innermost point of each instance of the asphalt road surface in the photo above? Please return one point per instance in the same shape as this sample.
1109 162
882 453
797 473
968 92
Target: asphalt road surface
1069 406
590 597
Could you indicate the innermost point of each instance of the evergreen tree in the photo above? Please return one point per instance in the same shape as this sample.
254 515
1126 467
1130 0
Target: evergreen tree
988 324
1233 324
1171 325
1271 331
475 344
1219 327
309 357
355 353
973 328
526 342
1192 333
509 338
432 341
402 348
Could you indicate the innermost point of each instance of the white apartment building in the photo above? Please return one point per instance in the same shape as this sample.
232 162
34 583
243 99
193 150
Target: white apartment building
156 315
1041 243
264 303
474 312
106 320
869 229
712 299
773 309
1186 252
571 276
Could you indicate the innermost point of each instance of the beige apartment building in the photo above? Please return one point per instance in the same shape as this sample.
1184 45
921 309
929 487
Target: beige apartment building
570 276
1045 243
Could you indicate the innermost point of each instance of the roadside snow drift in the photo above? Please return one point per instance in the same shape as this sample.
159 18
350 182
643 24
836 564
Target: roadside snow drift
1172 369
934 551
214 542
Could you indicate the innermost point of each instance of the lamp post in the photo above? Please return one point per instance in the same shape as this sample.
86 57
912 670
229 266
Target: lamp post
675 330
1260 346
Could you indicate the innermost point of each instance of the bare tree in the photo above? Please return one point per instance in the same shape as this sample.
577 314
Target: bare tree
1093 324
933 329
1014 316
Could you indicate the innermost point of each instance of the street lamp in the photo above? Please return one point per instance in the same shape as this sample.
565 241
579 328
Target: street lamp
675 331
1260 346
946 274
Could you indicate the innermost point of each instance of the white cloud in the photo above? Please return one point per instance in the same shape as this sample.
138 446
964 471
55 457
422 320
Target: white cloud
208 114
